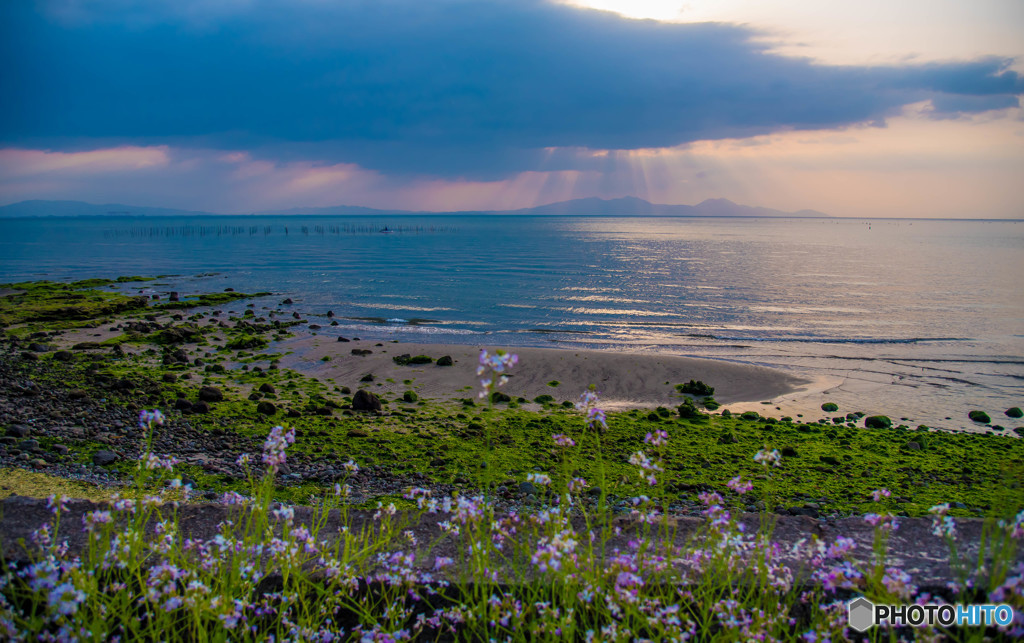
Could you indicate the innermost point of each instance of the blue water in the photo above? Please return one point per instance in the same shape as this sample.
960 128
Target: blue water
926 316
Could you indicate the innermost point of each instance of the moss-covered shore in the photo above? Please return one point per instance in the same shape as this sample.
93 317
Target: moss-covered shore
217 378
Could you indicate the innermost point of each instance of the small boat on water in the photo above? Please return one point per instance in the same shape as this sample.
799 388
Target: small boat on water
385 230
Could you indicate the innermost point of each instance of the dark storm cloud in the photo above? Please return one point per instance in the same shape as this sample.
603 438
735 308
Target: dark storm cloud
447 87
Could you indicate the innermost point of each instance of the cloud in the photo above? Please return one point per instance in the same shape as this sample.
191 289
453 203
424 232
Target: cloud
447 88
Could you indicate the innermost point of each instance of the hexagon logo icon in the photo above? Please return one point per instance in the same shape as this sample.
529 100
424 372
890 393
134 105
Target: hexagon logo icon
860 613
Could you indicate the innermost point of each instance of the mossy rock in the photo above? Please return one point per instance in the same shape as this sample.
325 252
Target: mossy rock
410 396
246 342
499 397
543 399
751 416
1014 412
444 360
696 387
877 422
266 408
687 410
980 417
421 359
830 407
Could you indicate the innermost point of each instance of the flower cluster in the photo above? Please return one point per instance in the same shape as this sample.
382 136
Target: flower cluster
497 364
275 445
942 523
766 457
588 405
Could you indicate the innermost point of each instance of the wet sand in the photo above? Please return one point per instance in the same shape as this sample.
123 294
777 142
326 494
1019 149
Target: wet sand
623 380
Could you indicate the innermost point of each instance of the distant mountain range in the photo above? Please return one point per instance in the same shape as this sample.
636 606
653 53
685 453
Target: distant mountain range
626 206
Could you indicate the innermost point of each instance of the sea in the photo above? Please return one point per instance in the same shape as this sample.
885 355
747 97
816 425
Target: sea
922 319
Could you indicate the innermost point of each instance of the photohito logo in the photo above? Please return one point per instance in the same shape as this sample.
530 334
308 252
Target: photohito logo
862 614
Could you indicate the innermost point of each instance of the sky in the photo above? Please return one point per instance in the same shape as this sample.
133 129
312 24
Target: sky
867 109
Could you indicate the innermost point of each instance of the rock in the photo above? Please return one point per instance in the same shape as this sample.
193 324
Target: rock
292 413
255 397
330 313
104 458
527 488
36 347
267 388
19 431
211 394
29 356
63 356
365 401
444 360
410 396
182 404
804 511
287 302
789 452
830 407
170 378
401 360
314 327
361 351
828 459
28 445
39 463
266 408
366 378
179 356
980 417
326 411
358 433
60 449
200 407
1015 412
296 315
912 446
877 422
342 339
173 297
77 394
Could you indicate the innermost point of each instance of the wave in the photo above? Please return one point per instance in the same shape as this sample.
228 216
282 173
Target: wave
832 340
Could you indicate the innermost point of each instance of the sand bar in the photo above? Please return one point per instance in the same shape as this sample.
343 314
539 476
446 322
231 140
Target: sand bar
623 380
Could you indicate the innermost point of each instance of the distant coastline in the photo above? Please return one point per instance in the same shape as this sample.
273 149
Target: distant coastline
592 206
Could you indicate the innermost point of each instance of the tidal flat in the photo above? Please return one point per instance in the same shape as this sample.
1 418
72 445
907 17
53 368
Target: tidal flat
224 381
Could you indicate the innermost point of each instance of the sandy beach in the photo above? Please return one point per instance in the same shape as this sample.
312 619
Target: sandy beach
623 380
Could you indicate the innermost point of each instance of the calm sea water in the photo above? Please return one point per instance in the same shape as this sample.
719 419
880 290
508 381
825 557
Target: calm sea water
924 318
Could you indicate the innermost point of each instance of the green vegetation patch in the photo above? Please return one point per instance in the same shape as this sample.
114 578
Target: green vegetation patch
49 301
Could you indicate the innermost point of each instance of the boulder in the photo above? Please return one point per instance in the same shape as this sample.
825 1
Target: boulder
211 394
19 430
104 458
365 401
182 404
1014 412
877 422
266 408
63 356
200 407
979 416
267 388
444 360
